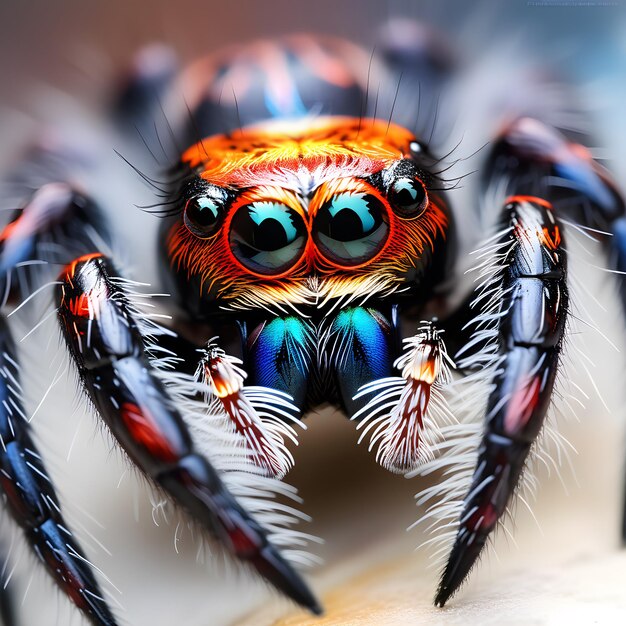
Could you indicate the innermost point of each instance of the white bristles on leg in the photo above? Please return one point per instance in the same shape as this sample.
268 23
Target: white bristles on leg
454 455
215 437
406 412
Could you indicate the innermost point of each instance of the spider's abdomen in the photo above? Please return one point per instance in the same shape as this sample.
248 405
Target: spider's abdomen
285 79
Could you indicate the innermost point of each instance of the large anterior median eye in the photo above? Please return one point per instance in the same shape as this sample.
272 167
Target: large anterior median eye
351 228
203 215
267 237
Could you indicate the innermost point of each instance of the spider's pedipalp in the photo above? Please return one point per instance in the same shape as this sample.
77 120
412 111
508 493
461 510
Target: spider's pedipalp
261 417
404 413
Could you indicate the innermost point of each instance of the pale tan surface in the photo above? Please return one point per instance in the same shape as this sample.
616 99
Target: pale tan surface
575 593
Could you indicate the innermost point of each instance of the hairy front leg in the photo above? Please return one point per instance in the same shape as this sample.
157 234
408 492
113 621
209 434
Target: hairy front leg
109 351
533 303
527 297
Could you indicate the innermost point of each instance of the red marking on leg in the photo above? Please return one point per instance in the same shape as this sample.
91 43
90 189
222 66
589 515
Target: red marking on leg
244 545
145 431
73 589
551 238
581 152
483 519
87 305
79 306
521 406
7 231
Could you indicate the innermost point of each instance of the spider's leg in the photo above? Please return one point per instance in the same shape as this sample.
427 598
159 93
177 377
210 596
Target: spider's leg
32 499
531 284
24 479
109 351
529 153
56 224
535 158
528 158
580 186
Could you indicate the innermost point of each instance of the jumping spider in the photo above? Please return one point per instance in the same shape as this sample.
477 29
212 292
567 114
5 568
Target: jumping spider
311 236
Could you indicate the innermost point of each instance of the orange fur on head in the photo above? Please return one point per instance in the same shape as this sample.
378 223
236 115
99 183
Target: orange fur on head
302 164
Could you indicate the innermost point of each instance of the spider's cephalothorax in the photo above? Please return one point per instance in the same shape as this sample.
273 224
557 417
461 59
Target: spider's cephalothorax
319 228
304 241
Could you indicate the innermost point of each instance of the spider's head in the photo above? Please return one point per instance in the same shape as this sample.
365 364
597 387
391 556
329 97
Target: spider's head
303 213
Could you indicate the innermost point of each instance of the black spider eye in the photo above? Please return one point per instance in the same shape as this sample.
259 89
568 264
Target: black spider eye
267 237
203 215
408 197
351 228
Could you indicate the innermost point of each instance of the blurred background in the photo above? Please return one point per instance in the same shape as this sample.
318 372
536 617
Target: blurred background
58 62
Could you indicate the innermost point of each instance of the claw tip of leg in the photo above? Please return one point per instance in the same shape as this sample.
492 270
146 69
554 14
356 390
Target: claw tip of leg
443 595
316 608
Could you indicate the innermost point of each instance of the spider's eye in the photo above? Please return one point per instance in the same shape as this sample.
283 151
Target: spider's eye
203 215
267 237
408 197
351 228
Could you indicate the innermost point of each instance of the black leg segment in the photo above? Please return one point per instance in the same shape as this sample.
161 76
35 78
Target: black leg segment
534 305
108 349
33 502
